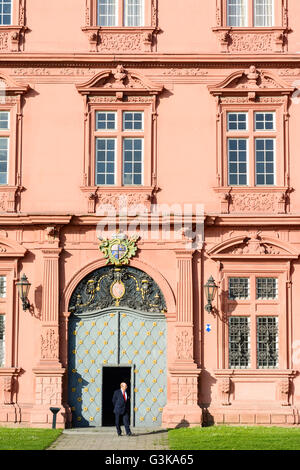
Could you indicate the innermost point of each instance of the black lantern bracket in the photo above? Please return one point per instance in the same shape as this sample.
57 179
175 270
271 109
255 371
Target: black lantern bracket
23 287
210 289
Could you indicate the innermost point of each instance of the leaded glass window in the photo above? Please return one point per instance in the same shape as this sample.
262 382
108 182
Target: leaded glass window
5 12
2 339
267 342
239 342
266 288
238 288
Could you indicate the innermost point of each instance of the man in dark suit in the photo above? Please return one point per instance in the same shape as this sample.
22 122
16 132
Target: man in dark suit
121 402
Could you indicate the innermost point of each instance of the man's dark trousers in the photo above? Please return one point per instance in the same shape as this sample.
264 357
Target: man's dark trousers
121 409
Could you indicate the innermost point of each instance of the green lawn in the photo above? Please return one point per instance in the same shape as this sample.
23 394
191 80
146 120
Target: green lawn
235 438
27 438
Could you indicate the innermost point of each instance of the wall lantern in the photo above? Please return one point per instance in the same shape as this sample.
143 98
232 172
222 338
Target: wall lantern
23 287
210 289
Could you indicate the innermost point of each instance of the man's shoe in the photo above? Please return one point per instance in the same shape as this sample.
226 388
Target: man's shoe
130 434
119 435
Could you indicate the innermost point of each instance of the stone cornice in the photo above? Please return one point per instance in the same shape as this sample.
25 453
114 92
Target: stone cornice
150 59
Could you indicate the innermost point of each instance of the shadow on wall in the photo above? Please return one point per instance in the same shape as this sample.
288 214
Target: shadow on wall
183 424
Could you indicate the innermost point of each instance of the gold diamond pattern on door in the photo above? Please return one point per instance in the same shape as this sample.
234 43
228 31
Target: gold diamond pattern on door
124 338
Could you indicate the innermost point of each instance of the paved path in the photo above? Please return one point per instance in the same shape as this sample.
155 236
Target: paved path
107 439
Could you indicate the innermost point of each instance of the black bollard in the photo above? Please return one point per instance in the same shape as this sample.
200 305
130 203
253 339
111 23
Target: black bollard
54 411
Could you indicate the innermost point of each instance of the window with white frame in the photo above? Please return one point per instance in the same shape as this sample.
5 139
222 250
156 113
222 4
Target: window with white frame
247 13
4 146
119 137
2 340
238 162
251 142
2 287
5 12
129 13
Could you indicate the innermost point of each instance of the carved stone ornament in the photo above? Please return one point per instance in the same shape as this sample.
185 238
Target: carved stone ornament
120 39
284 390
122 286
251 82
224 390
252 245
184 345
49 344
119 80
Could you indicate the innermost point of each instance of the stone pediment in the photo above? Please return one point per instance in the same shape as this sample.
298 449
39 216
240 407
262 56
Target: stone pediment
119 80
253 80
10 86
10 248
253 246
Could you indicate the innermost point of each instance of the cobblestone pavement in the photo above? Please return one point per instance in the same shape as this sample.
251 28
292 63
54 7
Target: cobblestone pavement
107 439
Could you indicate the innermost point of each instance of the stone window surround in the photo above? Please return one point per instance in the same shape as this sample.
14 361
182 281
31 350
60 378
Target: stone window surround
250 38
121 38
12 36
120 90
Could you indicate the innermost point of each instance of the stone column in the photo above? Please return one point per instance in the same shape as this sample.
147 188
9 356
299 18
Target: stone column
182 408
49 371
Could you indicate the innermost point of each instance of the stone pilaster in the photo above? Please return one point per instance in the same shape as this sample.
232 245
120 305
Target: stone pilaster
182 408
49 371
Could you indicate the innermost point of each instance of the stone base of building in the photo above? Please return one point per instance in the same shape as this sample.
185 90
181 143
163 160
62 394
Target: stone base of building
15 415
284 416
179 416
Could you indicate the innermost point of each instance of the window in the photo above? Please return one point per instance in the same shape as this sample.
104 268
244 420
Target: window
256 148
237 12
133 12
5 12
119 146
2 287
252 333
239 342
2 340
4 146
107 12
245 13
121 13
238 162
267 342
263 13
265 161
266 288
238 288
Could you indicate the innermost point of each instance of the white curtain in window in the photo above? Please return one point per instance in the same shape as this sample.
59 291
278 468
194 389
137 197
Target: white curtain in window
237 12
107 12
263 13
134 12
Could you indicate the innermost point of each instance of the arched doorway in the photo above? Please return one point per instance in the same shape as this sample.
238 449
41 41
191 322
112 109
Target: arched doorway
117 332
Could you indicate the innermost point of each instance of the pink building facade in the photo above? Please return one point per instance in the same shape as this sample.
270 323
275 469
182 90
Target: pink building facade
181 118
